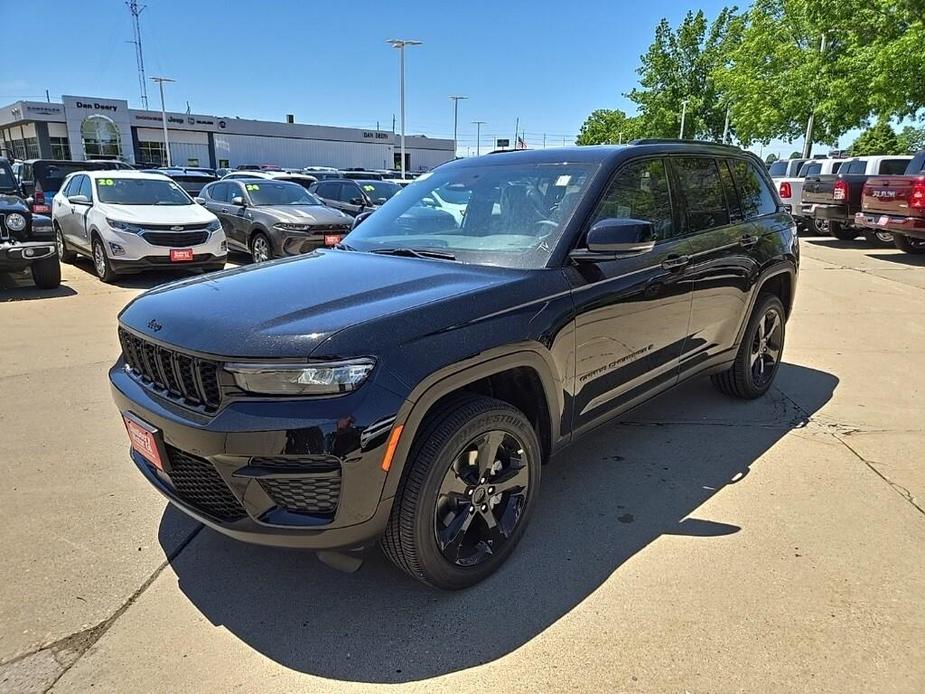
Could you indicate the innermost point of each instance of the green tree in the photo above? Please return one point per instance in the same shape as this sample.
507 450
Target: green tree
606 126
795 155
911 139
771 158
679 65
877 139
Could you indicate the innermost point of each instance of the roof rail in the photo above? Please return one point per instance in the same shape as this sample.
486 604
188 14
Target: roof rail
676 141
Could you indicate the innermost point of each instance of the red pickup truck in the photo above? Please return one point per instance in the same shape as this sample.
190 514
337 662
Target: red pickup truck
897 204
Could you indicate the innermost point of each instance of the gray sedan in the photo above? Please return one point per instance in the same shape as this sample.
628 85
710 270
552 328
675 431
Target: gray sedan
271 219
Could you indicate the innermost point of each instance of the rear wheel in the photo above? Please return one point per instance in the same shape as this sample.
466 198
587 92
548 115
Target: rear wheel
842 232
101 262
261 251
758 358
821 227
46 273
881 239
908 244
468 488
64 254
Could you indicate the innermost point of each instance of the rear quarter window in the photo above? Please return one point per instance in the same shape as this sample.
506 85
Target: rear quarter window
756 197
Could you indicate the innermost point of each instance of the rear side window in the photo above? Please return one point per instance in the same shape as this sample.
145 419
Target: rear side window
856 167
836 166
757 198
640 191
813 169
778 168
703 199
893 167
732 196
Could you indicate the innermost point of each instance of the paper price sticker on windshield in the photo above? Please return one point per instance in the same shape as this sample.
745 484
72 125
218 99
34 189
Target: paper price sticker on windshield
105 182
368 188
252 186
563 181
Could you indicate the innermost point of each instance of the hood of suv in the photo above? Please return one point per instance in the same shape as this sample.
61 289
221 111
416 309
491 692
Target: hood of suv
287 308
304 214
157 214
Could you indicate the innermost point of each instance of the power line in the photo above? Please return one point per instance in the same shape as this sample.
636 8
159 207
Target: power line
135 10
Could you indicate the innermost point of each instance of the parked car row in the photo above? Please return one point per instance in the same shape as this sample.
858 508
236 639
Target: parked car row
873 196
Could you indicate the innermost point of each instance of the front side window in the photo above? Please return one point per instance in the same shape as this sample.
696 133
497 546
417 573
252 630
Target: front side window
72 185
84 188
778 168
218 192
640 191
856 167
702 197
757 198
509 215
140 191
812 169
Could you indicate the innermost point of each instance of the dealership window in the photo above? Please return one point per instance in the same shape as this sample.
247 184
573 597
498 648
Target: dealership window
101 137
60 148
153 153
32 148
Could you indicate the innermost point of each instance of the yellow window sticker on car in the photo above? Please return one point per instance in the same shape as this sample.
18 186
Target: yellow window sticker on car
368 188
252 186
105 182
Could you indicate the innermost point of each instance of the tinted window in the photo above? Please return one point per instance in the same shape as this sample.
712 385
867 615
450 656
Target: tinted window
703 199
379 191
856 167
836 166
893 167
778 168
347 192
813 169
732 197
83 187
640 191
234 190
917 165
327 190
71 187
218 192
756 197
140 191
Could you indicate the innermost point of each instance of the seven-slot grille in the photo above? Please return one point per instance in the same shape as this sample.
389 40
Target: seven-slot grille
175 239
198 483
186 379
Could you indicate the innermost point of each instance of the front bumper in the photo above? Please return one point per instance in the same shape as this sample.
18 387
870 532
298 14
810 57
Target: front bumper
127 246
19 256
242 470
910 226
163 262
299 242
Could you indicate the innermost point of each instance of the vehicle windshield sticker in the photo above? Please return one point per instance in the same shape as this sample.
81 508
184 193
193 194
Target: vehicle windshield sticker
563 181
252 186
105 182
368 188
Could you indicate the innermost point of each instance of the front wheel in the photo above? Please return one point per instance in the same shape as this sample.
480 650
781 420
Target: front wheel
881 239
101 263
907 244
467 491
261 251
46 273
758 358
842 231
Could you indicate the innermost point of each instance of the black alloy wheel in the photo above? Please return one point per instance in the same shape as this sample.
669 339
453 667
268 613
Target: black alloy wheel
482 498
766 347
878 237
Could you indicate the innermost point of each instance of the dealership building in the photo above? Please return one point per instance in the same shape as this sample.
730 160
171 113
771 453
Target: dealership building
84 127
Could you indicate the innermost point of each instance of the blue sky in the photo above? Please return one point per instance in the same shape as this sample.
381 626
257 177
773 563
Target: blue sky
548 63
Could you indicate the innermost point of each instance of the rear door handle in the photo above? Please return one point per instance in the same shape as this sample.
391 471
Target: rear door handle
676 262
748 241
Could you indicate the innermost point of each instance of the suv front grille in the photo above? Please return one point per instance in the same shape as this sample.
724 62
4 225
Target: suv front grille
198 483
185 379
175 239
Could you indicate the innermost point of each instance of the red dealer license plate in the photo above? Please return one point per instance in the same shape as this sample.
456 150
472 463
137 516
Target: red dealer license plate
181 255
143 438
332 239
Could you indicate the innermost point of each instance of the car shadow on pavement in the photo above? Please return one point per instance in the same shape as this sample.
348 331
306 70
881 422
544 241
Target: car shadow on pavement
909 259
29 292
141 280
603 500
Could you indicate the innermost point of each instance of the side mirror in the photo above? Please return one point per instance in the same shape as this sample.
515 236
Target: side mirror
199 201
358 201
78 199
611 238
360 217
238 201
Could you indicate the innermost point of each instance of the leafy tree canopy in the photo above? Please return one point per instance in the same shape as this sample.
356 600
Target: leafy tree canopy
605 126
877 139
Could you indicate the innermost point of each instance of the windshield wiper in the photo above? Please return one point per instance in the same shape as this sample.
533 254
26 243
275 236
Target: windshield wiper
344 246
415 253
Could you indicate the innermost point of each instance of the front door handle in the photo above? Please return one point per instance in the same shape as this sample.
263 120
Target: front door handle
748 241
675 262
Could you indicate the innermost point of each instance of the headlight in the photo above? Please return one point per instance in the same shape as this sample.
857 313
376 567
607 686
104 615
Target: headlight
124 226
331 378
282 226
15 222
214 226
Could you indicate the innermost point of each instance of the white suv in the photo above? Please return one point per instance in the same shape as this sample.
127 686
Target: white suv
128 221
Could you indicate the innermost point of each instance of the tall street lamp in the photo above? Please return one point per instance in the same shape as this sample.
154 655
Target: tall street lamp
160 82
456 100
400 45
683 116
478 133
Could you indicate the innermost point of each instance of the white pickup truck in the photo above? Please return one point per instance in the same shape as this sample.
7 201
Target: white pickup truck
790 189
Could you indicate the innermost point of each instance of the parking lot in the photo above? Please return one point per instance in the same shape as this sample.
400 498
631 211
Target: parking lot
699 545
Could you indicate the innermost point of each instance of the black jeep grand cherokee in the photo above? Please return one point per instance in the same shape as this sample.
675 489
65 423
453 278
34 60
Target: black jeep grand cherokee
406 387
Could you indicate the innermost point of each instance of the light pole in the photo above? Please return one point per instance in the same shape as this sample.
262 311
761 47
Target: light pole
456 100
160 82
811 121
683 116
400 45
478 133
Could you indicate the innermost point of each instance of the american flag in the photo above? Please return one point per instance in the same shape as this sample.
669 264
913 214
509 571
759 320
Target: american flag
520 143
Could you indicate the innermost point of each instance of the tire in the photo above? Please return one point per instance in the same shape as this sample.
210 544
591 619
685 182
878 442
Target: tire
909 245
101 263
743 379
842 232
46 273
880 239
446 486
261 249
820 227
64 254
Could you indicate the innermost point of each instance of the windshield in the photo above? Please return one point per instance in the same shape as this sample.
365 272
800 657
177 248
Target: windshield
279 193
511 216
140 191
379 191
778 168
